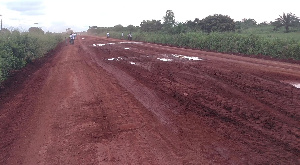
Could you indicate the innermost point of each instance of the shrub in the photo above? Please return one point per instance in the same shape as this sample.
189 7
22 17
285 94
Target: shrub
249 44
17 49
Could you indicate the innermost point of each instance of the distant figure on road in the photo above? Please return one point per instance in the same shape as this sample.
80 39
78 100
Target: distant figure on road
129 36
122 35
72 39
74 36
107 35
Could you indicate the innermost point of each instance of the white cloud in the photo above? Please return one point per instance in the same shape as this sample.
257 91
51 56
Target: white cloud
29 7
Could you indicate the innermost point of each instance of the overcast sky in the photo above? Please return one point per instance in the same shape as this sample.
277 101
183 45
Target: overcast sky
57 15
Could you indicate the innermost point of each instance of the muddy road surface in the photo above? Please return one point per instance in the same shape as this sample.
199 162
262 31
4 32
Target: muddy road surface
109 101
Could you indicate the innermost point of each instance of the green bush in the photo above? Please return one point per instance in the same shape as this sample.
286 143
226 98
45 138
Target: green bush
17 49
249 44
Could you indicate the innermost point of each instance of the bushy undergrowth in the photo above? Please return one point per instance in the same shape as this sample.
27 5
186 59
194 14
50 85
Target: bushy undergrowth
249 44
17 49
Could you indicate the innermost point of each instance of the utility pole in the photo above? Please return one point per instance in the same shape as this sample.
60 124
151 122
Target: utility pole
1 22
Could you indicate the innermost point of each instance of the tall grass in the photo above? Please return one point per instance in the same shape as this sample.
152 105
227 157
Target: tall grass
17 49
249 44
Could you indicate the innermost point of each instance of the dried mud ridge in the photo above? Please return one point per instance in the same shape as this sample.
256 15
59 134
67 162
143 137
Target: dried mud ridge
109 101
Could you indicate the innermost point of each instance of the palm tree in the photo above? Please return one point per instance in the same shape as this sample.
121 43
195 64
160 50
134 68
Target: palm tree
287 20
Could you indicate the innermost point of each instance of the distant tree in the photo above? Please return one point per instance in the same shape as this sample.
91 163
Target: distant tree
132 28
4 30
99 30
190 24
169 19
265 23
69 30
194 25
151 26
286 20
249 22
217 23
15 32
238 25
245 23
118 28
36 30
92 30
179 28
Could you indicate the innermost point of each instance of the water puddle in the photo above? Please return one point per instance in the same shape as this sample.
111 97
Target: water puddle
126 48
98 44
164 59
293 83
130 42
117 43
171 57
120 59
115 59
297 85
187 57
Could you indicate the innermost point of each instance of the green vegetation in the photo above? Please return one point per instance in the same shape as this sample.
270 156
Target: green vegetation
17 49
94 30
217 23
251 44
151 26
286 20
278 39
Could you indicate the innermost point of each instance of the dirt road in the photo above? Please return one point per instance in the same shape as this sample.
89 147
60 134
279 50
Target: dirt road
109 101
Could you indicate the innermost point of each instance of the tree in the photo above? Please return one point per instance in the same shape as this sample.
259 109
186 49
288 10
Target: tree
169 19
151 26
119 28
91 30
245 23
249 22
4 30
286 20
238 25
217 23
36 30
69 31
132 28
194 25
265 23
179 28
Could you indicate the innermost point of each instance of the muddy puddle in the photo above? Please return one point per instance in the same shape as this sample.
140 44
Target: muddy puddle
297 85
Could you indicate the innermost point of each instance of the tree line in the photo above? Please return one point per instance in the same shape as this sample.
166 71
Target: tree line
212 23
